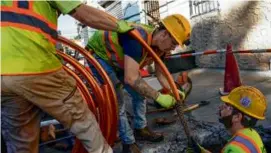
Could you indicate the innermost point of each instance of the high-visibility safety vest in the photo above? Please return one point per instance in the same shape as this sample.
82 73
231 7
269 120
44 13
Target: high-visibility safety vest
29 35
106 45
245 141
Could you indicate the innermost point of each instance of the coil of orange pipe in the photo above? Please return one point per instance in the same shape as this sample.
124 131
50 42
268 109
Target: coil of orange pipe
84 91
107 105
96 88
112 99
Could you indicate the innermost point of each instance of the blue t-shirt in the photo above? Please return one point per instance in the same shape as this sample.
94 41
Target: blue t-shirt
131 47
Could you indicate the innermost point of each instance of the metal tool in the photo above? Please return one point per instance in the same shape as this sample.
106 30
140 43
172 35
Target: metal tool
169 120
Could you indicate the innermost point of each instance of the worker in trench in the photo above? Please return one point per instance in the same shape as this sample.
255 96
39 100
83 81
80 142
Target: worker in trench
122 56
239 113
33 79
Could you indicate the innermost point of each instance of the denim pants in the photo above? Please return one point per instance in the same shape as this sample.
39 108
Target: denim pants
138 102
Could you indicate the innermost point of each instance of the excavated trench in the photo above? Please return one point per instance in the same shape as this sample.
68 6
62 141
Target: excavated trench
212 136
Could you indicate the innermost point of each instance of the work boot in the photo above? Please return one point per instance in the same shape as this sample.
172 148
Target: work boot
148 135
130 148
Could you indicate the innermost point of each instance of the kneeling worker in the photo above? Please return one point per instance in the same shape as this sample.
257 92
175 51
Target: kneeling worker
239 113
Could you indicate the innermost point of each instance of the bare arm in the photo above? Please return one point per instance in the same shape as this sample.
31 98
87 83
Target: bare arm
161 78
94 18
134 79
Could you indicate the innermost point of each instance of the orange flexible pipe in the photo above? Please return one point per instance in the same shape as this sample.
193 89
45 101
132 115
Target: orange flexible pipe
104 120
160 63
111 100
84 91
97 90
156 59
88 99
179 106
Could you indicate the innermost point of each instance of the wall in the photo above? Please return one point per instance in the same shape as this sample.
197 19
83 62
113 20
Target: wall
168 7
244 24
131 10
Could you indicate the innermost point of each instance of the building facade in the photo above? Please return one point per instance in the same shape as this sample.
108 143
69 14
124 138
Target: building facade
215 23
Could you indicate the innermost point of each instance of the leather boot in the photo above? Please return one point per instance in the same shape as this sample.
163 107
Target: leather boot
148 135
130 148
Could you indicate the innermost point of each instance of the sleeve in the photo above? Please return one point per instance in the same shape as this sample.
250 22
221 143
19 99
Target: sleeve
131 47
65 7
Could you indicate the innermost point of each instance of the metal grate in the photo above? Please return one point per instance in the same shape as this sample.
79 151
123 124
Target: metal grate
115 9
152 10
201 7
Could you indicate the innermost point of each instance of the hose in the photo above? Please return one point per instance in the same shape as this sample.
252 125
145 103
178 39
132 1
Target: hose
179 105
104 104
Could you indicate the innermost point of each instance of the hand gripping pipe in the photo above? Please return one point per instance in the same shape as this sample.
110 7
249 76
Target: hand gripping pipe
179 105
105 97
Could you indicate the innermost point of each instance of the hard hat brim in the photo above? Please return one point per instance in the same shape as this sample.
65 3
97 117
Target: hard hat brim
226 99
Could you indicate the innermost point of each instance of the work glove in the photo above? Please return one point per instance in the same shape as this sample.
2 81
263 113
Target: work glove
123 26
194 147
165 100
180 91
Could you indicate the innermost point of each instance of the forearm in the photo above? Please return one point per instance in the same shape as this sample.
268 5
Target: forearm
142 87
95 18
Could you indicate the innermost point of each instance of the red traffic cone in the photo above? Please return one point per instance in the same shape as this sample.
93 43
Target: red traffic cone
231 76
144 73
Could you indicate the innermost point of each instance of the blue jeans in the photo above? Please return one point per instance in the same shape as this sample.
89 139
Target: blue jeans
138 102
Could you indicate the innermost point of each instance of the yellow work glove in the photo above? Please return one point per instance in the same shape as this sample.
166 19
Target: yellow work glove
123 26
167 91
165 100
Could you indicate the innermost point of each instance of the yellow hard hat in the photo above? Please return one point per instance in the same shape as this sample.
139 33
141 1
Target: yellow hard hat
248 100
178 26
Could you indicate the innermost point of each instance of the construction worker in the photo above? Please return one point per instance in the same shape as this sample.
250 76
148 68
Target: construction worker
122 57
33 79
239 113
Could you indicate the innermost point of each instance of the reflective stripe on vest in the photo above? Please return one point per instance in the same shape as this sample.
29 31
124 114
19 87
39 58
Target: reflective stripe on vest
246 143
22 16
112 52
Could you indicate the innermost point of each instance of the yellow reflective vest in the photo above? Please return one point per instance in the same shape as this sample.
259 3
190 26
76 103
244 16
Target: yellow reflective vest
29 35
245 141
